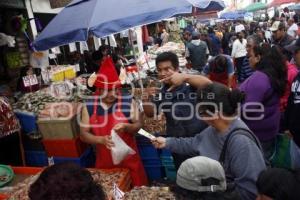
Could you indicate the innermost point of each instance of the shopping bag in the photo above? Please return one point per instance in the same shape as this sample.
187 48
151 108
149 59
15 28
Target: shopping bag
120 150
282 157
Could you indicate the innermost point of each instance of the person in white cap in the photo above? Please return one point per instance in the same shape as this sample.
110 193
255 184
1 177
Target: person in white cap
281 38
201 174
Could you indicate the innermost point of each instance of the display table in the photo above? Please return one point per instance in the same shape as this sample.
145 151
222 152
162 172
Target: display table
24 176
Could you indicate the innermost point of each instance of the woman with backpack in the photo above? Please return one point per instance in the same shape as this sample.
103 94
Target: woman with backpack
227 139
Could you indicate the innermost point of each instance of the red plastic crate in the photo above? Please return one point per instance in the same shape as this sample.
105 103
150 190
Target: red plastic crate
72 148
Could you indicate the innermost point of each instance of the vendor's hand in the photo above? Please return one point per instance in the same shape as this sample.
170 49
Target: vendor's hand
107 141
121 127
174 79
159 142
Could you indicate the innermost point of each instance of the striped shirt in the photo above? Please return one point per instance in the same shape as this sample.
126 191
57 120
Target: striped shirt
246 70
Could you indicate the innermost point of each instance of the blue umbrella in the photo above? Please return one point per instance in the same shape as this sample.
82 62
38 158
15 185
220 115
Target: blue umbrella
105 17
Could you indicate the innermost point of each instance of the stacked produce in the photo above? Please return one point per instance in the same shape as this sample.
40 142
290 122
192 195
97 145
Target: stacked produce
177 48
34 102
38 101
150 193
105 179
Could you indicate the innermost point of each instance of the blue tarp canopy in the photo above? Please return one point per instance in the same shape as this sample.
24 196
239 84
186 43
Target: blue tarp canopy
208 5
105 17
233 15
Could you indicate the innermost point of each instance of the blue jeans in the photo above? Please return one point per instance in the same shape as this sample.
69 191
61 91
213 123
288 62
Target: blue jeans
295 155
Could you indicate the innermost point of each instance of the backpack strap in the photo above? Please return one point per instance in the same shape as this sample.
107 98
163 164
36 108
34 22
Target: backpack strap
246 132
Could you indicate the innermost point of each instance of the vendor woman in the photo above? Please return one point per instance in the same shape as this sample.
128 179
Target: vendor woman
108 111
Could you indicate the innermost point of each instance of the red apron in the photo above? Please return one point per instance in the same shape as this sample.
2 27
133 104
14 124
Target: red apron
104 158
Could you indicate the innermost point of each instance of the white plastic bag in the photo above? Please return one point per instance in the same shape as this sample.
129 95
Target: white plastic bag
120 150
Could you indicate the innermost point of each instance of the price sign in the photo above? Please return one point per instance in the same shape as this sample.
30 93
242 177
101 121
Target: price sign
30 80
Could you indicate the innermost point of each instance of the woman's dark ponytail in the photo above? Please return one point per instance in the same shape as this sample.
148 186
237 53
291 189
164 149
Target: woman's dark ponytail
235 98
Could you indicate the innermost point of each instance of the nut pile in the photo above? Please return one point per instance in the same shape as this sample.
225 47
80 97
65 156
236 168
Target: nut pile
105 179
20 191
34 102
157 125
149 193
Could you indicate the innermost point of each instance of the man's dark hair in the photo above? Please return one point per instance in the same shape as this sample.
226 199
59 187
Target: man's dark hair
66 181
270 181
168 56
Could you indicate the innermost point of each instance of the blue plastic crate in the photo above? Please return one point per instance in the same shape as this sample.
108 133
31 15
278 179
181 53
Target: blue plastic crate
170 172
27 121
151 161
165 153
148 151
167 160
86 160
36 158
143 141
154 172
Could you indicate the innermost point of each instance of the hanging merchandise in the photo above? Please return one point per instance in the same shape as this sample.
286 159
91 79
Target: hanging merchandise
7 40
182 23
97 42
72 47
112 41
46 75
56 50
139 36
19 24
39 59
124 34
145 35
83 47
